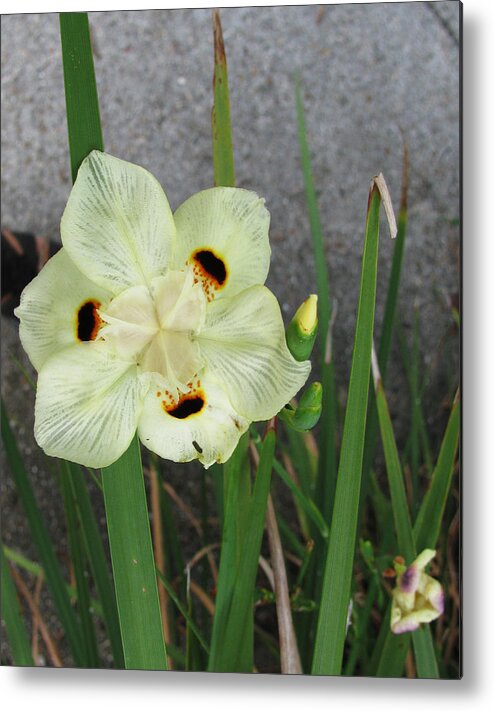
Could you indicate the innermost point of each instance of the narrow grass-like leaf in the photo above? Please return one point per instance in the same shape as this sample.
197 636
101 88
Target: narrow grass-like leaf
428 522
97 559
81 98
426 532
183 611
335 598
39 534
12 616
322 278
327 460
78 559
360 628
23 562
327 464
229 630
307 504
422 641
233 471
415 414
401 514
302 460
419 414
223 163
174 553
37 570
393 650
385 340
133 562
290 540
217 480
425 656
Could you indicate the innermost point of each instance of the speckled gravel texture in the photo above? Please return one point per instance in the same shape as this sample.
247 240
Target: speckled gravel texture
369 72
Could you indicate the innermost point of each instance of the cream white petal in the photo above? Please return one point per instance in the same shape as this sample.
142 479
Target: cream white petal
87 405
175 357
229 227
205 425
244 346
57 309
130 322
117 226
424 558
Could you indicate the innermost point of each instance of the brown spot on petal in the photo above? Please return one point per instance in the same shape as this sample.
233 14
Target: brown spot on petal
210 268
88 320
188 405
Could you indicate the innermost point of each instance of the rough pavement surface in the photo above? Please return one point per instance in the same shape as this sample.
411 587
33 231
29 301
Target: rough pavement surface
368 73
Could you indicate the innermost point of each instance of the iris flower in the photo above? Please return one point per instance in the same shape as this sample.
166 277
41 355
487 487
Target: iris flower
157 322
417 597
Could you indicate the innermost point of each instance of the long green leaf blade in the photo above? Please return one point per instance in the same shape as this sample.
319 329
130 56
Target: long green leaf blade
39 534
422 640
12 616
425 656
183 611
322 278
401 514
97 559
133 562
230 631
384 347
327 461
81 97
233 471
426 533
428 523
78 559
306 503
335 598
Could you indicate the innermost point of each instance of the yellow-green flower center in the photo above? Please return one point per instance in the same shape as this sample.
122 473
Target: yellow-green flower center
156 326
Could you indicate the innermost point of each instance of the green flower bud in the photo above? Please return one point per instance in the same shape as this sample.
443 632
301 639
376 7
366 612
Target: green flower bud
302 330
308 411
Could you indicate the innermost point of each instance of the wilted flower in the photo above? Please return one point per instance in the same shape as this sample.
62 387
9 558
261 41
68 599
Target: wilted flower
157 322
417 597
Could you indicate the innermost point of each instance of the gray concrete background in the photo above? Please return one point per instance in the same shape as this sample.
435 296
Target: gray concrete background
367 71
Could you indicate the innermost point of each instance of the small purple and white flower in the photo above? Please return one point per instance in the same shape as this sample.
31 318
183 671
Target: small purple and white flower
417 598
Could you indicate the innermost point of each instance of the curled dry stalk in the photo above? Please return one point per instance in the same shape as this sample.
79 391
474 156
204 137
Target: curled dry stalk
289 654
187 511
159 554
51 647
35 634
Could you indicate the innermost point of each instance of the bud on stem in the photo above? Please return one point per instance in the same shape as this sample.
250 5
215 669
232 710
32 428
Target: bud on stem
308 411
302 330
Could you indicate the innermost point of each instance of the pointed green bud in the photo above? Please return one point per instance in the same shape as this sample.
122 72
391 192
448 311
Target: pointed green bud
308 411
302 330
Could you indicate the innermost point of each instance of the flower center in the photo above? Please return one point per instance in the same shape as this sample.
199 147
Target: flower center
155 327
